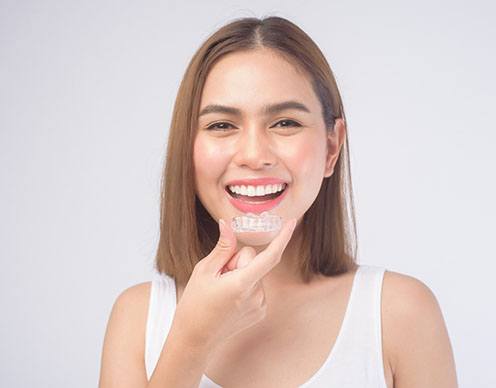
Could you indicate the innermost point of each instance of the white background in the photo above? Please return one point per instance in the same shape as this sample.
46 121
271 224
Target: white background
87 90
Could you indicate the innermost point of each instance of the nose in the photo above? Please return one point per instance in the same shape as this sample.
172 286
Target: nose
255 150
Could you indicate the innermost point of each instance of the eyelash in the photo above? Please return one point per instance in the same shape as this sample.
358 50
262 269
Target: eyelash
212 127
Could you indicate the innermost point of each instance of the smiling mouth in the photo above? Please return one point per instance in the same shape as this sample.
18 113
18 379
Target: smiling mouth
257 198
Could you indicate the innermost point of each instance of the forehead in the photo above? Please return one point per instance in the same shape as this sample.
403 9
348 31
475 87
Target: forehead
255 78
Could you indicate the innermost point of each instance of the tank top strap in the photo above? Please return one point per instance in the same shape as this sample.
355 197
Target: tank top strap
162 305
366 304
361 342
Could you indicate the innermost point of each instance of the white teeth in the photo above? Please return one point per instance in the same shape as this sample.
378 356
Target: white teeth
253 191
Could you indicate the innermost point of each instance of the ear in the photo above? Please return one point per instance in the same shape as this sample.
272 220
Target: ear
335 140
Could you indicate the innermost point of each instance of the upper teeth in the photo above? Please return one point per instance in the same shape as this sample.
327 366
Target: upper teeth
253 191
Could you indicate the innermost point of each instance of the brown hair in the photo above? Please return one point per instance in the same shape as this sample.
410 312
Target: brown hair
187 231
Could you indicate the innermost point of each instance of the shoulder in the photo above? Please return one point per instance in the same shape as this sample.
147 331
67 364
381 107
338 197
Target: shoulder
134 296
415 337
129 313
406 294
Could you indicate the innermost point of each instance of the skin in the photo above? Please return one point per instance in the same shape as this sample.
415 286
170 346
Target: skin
255 145
416 347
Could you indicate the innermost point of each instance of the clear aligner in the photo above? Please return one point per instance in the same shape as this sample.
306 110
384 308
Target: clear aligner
250 222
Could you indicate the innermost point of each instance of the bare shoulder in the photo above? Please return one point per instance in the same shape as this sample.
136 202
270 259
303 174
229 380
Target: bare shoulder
406 293
415 337
122 362
134 296
131 309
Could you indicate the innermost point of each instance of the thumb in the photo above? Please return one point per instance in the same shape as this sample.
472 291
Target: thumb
225 247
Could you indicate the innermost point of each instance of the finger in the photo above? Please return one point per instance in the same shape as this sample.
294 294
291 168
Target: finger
223 250
239 260
269 257
247 255
232 264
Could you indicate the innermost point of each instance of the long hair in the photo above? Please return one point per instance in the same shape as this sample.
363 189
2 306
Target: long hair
187 231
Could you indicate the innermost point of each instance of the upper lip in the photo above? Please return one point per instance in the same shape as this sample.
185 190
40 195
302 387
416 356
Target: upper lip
256 181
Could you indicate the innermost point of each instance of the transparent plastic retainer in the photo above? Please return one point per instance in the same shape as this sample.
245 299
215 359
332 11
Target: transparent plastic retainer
250 222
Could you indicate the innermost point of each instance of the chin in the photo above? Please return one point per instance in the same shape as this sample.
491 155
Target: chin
256 239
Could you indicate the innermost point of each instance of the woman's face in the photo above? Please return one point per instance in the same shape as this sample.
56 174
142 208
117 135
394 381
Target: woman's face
290 145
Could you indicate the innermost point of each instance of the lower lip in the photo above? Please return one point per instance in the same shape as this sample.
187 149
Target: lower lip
256 207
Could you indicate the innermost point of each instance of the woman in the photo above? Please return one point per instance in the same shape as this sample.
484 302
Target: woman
259 106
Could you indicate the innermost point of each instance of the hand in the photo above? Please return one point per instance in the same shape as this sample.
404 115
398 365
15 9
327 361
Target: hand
224 294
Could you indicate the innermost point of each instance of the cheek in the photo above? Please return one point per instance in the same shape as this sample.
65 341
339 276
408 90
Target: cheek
208 160
307 167
307 159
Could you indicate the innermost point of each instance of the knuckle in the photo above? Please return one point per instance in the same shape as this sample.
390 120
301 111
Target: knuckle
223 244
249 250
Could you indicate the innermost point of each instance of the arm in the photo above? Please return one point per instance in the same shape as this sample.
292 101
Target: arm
421 353
180 365
122 363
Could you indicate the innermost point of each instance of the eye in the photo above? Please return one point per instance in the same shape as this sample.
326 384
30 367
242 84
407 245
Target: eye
217 126
291 122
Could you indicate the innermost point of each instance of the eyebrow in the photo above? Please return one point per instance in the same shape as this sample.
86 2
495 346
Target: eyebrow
266 110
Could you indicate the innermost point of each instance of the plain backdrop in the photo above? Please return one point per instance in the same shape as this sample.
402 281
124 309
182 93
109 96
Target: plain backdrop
86 95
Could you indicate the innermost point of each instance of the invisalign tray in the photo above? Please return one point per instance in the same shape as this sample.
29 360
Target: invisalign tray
250 222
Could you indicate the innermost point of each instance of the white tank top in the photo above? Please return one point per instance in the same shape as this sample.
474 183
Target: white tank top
355 360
